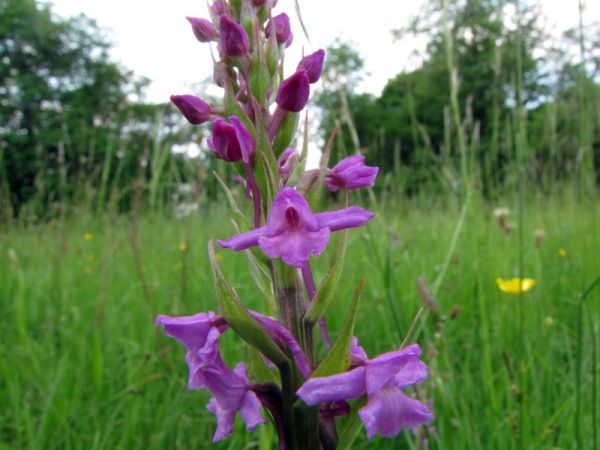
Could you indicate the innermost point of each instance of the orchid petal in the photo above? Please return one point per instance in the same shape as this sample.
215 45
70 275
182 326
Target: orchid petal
389 409
243 241
403 363
294 247
333 388
352 217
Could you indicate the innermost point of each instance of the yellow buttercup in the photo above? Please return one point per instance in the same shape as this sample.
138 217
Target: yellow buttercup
511 286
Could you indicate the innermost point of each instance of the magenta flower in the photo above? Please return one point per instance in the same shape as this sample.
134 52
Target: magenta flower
293 93
313 64
234 39
293 232
382 379
195 110
230 388
351 173
231 142
203 29
283 32
198 334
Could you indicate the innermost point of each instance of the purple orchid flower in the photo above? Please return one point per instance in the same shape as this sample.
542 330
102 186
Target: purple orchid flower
351 173
293 232
382 379
194 109
230 388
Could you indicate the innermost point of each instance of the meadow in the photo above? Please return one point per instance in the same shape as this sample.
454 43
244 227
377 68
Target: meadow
82 365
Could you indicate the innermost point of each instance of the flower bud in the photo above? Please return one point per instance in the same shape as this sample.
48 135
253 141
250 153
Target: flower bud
234 39
203 29
313 64
293 92
288 161
351 173
283 32
230 142
195 110
217 8
308 181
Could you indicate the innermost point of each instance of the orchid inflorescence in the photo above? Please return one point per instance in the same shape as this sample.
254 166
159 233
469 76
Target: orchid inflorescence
253 130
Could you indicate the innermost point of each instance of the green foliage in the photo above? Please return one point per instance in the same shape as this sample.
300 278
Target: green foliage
82 365
410 123
69 124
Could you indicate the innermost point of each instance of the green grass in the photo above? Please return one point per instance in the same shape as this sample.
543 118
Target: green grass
82 366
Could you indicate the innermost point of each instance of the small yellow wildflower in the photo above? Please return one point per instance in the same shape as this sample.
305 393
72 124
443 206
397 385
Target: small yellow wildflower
183 247
549 321
512 286
218 256
88 236
563 253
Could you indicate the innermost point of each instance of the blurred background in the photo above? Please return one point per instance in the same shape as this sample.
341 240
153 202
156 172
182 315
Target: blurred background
484 118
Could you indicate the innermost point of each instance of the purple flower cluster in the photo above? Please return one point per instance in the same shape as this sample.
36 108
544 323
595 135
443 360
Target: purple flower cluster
253 131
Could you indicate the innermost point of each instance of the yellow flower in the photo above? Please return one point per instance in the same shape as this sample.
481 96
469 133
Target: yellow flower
512 286
549 321
218 256
183 246
563 253
88 236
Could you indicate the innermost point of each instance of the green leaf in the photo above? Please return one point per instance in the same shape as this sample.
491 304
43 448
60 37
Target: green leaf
338 358
351 425
258 371
286 133
325 292
259 76
261 279
238 317
231 200
314 195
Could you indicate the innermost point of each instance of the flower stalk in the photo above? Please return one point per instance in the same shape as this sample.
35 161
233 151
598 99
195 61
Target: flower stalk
306 395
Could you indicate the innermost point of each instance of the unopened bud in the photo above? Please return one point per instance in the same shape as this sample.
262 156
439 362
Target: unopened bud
203 29
281 25
230 142
313 64
234 39
195 110
293 92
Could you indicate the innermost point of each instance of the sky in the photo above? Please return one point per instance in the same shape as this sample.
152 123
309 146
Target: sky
152 37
